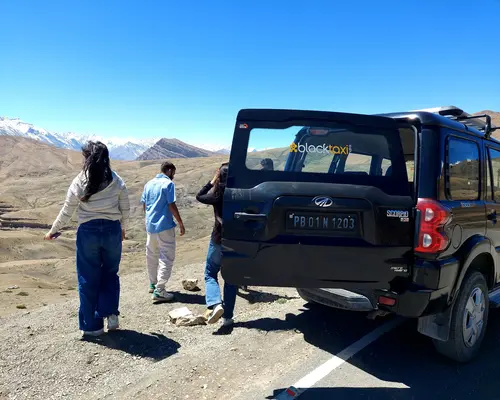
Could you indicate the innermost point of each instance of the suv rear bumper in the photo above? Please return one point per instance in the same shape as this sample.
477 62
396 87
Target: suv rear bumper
410 304
338 298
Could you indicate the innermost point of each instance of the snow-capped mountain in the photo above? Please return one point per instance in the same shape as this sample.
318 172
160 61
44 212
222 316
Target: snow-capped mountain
119 148
215 148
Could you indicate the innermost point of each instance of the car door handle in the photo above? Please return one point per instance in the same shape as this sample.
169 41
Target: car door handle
243 216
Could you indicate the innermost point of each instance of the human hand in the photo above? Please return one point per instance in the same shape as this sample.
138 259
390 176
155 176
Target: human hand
182 229
216 176
123 235
48 236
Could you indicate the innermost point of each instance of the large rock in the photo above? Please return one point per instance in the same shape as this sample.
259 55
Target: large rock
184 317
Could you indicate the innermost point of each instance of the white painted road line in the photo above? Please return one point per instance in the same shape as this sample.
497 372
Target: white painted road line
336 361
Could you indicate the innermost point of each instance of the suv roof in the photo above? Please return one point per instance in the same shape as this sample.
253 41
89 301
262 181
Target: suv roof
450 117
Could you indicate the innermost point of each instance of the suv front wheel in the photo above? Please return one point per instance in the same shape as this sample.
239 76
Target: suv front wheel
468 320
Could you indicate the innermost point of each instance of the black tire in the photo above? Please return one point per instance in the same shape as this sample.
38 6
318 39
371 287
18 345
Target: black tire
456 348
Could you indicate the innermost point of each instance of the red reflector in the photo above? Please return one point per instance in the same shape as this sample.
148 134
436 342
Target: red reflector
386 301
318 131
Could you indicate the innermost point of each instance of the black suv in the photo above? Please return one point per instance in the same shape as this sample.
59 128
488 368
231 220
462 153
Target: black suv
392 213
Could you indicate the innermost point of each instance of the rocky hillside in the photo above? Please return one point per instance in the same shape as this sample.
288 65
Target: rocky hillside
173 148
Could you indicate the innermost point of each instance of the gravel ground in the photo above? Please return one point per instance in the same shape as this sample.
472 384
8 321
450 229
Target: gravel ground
277 339
42 354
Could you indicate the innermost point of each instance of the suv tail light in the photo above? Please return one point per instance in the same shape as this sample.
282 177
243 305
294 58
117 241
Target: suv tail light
431 236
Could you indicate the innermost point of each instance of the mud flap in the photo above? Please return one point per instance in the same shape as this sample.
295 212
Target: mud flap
436 326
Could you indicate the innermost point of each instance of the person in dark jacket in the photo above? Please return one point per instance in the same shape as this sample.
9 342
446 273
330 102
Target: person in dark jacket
213 193
267 164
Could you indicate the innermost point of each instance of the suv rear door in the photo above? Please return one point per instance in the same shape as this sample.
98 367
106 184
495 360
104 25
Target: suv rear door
333 208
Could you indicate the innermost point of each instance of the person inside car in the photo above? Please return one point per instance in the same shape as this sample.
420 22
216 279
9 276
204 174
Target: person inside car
267 164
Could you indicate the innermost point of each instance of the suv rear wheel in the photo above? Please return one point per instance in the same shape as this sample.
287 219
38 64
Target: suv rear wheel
468 320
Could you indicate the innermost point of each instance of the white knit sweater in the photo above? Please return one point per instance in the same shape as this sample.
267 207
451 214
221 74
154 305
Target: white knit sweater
111 203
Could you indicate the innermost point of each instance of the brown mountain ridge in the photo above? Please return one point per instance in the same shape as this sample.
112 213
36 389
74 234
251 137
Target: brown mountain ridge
173 148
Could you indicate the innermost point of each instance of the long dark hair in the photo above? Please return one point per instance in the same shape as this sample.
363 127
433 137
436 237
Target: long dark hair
220 184
96 167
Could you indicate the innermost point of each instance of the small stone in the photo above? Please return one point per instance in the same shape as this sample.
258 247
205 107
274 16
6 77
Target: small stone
190 285
205 386
13 287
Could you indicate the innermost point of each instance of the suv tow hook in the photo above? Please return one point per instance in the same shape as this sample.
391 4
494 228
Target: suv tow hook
377 313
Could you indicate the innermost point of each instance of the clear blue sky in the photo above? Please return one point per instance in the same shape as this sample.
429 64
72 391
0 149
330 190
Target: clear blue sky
184 69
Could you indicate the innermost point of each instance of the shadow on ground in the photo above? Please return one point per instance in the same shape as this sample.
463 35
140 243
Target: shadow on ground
347 393
255 296
402 356
188 298
154 346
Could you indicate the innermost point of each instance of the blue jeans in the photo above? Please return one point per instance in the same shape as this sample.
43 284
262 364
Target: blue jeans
98 255
212 269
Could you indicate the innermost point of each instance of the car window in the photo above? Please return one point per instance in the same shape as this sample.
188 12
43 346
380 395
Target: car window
462 169
301 149
489 190
358 163
495 172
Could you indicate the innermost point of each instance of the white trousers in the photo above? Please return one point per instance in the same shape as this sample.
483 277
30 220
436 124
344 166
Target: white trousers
160 256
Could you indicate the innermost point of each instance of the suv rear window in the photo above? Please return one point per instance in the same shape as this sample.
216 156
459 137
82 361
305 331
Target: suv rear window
326 151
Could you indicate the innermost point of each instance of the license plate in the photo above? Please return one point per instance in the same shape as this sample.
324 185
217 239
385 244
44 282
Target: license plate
321 222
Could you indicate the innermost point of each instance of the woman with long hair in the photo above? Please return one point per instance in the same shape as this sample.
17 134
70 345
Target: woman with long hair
101 198
213 193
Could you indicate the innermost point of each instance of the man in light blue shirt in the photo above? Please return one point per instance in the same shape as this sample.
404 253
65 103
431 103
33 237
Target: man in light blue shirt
158 199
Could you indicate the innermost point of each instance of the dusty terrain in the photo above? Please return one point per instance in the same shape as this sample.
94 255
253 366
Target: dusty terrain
277 338
34 179
38 286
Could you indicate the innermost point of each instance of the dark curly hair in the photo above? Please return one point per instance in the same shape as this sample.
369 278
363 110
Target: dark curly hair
220 184
96 167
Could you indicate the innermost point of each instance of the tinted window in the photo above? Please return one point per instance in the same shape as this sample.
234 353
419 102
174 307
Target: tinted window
495 172
319 150
463 169
489 191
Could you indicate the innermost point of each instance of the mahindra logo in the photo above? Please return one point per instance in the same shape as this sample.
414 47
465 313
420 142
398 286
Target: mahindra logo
322 201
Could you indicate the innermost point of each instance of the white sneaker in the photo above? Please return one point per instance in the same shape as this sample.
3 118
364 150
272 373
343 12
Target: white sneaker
113 323
161 296
93 333
215 314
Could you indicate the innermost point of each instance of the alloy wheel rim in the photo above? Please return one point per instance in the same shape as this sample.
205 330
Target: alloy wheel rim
473 320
